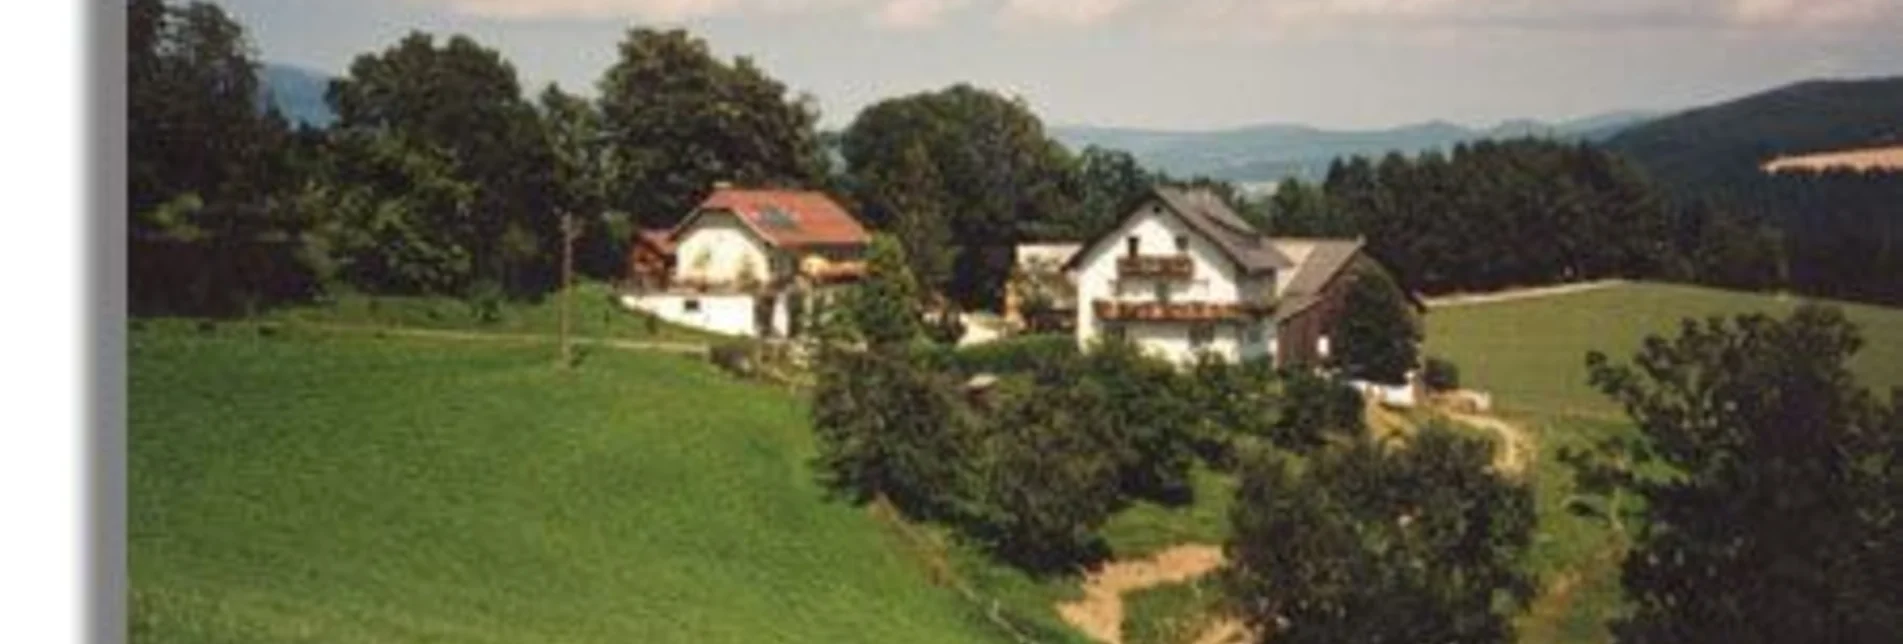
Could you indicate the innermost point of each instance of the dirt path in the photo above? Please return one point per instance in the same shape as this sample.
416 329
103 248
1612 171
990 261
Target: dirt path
690 348
1100 613
1464 299
1516 451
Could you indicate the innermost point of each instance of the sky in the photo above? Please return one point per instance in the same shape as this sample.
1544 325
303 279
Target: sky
1169 64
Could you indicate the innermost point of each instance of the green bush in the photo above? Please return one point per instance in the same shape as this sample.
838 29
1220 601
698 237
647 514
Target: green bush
1441 374
1314 407
1049 465
1020 354
1235 400
1363 543
887 428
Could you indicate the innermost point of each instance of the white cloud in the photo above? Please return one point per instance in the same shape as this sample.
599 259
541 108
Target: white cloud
896 14
1063 12
913 14
666 10
1276 18
1776 13
1248 16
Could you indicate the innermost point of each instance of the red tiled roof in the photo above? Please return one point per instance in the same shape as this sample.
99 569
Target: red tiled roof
786 218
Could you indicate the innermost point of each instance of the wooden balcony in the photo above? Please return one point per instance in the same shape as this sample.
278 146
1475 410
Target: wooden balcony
1179 311
1156 266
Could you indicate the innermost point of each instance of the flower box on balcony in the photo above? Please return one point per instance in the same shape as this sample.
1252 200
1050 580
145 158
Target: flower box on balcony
1169 311
1164 266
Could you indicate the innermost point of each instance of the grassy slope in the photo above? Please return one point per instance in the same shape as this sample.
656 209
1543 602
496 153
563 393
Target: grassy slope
364 490
1531 355
596 314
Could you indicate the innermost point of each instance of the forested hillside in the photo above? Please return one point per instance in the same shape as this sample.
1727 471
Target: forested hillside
1521 212
1840 229
1723 143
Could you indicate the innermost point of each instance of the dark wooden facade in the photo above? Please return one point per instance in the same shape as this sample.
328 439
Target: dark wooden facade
650 260
1298 334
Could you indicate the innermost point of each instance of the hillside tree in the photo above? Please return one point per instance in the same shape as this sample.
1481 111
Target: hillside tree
1765 485
904 195
678 119
1000 175
460 101
1378 335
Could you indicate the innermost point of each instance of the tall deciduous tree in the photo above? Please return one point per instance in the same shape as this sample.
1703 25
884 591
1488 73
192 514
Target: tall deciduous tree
1769 484
1371 543
904 194
679 119
1378 335
999 174
206 167
193 123
462 100
577 139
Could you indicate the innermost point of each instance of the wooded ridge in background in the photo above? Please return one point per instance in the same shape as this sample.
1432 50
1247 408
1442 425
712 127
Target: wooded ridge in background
234 209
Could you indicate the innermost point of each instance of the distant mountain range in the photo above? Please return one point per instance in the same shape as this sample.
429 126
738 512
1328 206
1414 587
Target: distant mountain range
297 92
1267 153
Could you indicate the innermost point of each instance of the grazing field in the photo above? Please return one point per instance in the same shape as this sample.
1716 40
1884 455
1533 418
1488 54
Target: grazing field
1883 158
1532 353
292 486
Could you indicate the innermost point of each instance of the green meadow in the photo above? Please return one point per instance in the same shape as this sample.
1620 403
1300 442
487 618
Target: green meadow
294 486
1532 353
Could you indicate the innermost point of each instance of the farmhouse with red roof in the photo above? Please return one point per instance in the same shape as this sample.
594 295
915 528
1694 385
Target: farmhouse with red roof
747 261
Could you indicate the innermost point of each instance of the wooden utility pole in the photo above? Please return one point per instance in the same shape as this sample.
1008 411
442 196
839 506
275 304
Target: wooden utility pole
568 282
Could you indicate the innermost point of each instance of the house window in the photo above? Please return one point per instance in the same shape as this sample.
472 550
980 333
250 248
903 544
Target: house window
1253 335
1182 244
1131 245
1163 292
691 305
1321 346
1113 331
1201 335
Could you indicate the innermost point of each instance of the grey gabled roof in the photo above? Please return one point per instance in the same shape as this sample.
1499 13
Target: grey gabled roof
1325 258
1207 213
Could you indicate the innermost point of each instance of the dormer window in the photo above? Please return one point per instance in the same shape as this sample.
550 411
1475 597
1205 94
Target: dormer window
1182 244
1131 245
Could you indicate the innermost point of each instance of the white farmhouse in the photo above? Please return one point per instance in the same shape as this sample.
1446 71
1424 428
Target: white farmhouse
747 262
1183 275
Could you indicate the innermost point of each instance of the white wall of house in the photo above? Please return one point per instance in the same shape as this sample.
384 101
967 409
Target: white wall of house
719 248
1173 341
1214 280
1402 395
729 313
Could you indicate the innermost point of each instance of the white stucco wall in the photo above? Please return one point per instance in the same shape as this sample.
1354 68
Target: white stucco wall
718 248
1170 341
1402 395
1213 280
